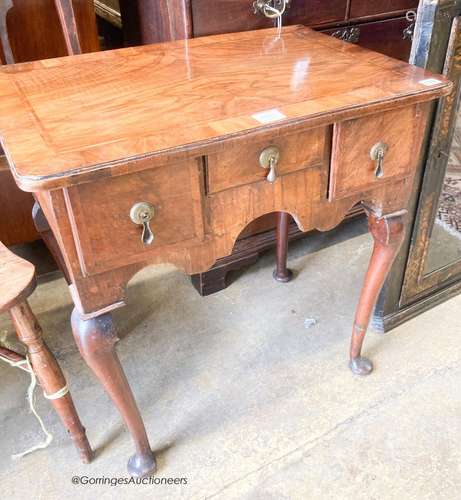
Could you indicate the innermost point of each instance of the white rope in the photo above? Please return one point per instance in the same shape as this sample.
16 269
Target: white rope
274 41
58 394
278 15
25 365
17 364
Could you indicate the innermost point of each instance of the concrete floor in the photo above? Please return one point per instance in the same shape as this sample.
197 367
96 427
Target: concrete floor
246 400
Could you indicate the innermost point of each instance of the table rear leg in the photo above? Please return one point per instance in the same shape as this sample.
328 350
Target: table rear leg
281 272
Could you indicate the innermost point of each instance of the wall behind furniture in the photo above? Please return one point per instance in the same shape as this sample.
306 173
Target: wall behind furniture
34 32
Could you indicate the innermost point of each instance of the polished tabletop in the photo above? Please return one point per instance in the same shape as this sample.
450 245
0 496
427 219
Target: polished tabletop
62 119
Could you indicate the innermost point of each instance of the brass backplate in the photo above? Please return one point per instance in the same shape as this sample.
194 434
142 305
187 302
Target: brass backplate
268 156
142 212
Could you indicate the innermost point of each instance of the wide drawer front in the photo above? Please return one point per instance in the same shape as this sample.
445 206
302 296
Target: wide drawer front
102 213
362 8
224 16
388 37
372 150
241 162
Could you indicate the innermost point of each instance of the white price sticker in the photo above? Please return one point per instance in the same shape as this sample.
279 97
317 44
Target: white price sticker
428 82
271 115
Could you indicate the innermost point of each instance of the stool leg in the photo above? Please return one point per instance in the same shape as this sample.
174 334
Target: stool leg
96 338
49 375
281 273
388 233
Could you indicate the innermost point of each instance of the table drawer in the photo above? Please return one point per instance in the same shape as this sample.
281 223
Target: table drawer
363 8
239 163
352 168
101 213
225 16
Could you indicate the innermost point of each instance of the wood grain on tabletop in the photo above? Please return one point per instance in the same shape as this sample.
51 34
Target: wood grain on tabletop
60 118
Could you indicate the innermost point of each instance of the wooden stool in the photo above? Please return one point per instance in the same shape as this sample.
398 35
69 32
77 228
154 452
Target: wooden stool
17 282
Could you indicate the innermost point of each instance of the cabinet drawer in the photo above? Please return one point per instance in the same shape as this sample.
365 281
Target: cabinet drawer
225 16
238 164
101 212
362 8
352 168
386 37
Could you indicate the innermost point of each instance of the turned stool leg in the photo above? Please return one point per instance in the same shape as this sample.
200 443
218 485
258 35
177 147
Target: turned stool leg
388 233
49 375
281 273
96 340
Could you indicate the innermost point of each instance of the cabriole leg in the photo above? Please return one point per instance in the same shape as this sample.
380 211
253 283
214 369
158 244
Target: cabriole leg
96 340
388 233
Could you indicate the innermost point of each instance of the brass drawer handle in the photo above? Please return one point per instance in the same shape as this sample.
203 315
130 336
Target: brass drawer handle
271 8
409 31
351 34
141 213
377 154
269 159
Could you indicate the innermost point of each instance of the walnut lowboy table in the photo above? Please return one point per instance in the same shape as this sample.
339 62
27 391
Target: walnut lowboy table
164 153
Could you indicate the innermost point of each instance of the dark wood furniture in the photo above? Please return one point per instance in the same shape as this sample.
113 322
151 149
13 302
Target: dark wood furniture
251 123
31 30
17 282
383 26
428 268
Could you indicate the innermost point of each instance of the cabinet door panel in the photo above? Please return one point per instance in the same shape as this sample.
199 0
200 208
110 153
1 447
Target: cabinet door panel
16 224
35 32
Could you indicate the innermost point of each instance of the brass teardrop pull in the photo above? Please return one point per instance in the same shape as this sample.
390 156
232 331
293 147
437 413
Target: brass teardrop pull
141 213
377 154
269 159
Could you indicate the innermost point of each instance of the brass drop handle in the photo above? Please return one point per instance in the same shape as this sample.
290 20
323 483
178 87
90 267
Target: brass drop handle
409 31
269 159
141 213
377 154
271 8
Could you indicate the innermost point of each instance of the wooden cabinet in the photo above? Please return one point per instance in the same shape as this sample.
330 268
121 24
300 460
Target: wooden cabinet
34 32
223 16
16 224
